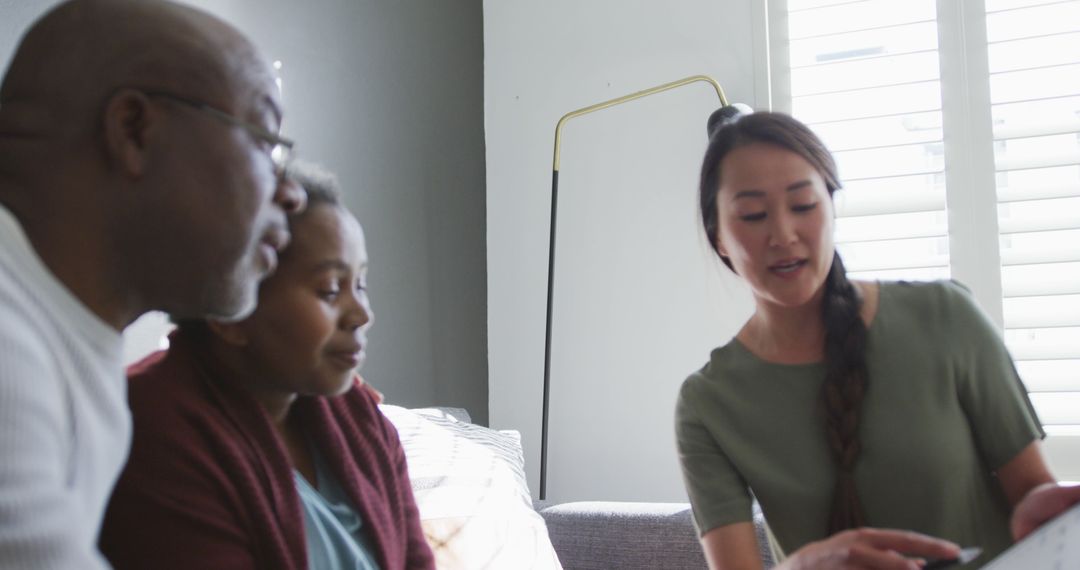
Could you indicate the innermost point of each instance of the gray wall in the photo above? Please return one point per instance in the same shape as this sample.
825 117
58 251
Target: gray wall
639 298
390 96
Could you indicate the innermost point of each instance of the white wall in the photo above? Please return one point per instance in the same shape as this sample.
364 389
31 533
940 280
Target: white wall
639 298
15 17
388 95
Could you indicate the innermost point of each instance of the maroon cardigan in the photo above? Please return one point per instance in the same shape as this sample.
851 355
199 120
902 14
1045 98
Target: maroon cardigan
209 484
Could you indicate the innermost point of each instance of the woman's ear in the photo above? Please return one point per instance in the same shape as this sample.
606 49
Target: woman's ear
231 333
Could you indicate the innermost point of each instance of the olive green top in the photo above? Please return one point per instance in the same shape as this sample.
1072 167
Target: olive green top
944 408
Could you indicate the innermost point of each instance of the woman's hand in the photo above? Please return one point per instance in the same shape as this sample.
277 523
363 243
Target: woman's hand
1042 504
871 548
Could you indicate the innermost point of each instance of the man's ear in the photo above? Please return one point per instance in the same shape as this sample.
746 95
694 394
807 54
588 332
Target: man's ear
129 121
231 333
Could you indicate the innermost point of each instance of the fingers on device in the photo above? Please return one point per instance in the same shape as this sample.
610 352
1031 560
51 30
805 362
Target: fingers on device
966 555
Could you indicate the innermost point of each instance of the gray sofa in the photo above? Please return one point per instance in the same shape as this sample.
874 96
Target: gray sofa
630 536
619 535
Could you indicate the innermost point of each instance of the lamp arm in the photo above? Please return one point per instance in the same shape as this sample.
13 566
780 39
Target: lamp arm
551 243
631 97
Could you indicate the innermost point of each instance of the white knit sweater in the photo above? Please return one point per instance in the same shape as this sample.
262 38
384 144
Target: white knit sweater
65 427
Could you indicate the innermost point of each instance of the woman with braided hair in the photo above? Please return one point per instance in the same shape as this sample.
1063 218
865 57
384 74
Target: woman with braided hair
865 417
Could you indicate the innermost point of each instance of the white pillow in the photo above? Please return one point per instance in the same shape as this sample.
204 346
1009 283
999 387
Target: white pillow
470 488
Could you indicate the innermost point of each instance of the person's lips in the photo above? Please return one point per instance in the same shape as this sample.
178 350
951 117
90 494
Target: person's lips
788 267
277 238
272 243
350 356
269 256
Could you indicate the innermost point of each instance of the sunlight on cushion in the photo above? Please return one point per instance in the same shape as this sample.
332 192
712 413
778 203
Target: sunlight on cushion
470 488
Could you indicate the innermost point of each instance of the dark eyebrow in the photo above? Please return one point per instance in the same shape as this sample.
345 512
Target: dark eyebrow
268 102
761 194
749 194
336 264
799 185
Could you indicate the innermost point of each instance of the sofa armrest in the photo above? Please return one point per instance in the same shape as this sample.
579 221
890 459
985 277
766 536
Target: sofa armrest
630 536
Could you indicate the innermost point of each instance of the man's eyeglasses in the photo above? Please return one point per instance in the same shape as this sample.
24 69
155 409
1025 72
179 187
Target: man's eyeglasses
281 153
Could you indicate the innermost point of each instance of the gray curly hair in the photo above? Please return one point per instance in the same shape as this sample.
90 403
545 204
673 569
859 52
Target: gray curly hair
321 185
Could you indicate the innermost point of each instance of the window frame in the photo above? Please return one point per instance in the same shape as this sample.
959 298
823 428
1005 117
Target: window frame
970 167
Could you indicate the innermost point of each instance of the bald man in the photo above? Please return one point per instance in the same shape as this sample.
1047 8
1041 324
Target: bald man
140 169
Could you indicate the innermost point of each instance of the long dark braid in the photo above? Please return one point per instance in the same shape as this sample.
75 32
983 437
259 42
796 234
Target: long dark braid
845 385
846 372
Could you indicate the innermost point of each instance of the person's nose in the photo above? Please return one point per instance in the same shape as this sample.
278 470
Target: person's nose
290 195
782 232
358 313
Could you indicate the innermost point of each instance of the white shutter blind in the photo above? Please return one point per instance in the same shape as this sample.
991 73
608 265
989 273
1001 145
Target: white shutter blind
865 76
1034 58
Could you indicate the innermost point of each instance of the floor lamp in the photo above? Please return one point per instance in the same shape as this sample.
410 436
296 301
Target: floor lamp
725 109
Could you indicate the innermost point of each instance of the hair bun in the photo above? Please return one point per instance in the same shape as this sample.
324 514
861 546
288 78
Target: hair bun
726 115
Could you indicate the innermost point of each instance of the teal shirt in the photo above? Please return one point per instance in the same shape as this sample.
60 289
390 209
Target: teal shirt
943 409
335 534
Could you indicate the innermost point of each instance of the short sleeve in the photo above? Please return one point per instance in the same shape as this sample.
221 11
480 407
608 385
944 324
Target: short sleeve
718 493
990 390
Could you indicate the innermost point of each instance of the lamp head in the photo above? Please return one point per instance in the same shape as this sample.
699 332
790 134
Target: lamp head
726 115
